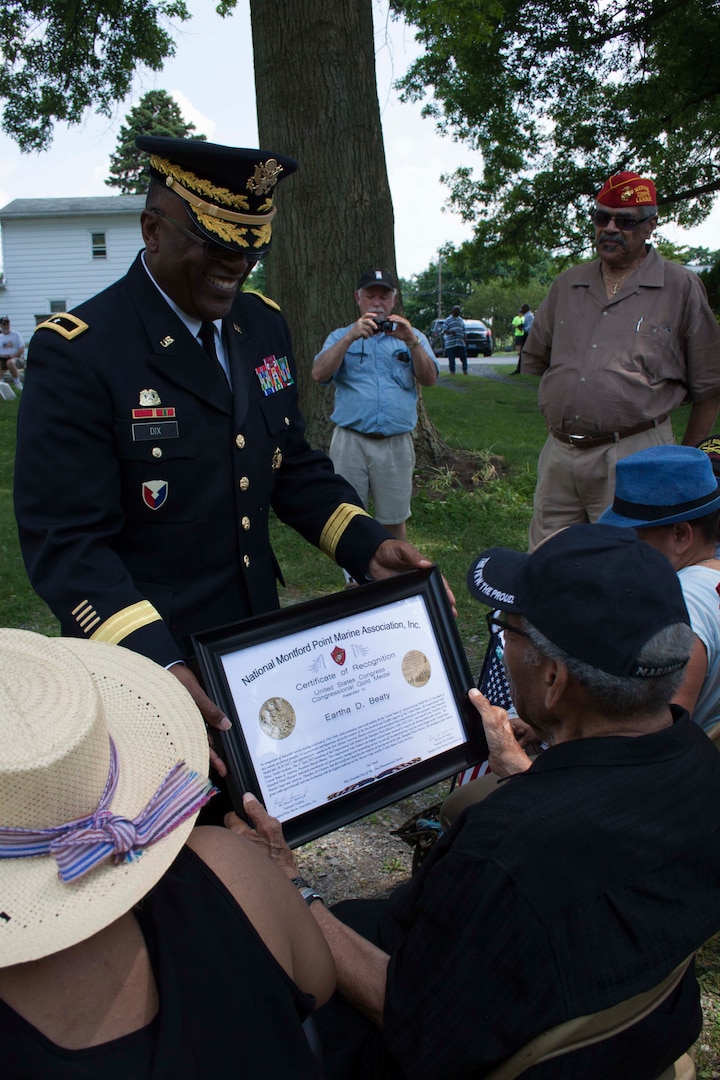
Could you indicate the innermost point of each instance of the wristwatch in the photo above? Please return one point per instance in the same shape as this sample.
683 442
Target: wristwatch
306 890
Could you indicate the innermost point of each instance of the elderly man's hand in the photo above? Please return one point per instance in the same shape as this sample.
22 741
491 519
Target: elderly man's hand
397 557
267 834
505 755
526 735
365 326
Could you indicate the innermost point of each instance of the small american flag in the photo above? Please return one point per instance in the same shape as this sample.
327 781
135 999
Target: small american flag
493 684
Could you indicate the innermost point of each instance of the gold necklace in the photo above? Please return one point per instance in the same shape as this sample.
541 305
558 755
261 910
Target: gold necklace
615 284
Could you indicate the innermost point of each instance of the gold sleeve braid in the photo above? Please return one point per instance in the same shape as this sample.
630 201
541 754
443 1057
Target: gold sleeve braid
336 525
125 622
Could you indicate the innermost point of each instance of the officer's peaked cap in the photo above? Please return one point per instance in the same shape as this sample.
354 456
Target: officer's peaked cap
228 191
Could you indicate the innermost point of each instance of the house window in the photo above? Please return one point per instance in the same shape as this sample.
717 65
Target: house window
55 307
99 247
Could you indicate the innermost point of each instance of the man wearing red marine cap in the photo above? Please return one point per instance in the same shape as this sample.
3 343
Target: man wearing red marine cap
620 342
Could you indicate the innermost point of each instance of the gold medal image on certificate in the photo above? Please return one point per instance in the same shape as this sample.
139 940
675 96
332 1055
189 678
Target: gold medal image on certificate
277 718
416 668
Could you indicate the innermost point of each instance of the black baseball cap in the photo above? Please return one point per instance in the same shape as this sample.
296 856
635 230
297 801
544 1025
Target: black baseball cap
368 278
596 591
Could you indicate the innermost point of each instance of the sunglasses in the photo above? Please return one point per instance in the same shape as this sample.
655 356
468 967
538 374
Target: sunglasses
624 222
495 625
209 247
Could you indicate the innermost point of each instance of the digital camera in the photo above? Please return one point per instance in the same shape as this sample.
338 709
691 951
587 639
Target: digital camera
384 326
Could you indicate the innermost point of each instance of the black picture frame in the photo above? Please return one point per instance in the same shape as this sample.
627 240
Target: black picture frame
224 646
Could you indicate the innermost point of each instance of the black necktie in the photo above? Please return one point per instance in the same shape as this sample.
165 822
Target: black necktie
207 336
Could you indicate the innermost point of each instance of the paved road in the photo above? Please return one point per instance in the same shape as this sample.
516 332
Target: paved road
482 365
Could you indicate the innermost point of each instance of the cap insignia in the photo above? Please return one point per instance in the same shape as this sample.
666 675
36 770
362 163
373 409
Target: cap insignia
265 177
627 193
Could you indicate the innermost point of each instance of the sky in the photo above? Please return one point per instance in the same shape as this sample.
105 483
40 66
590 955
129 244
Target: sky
78 160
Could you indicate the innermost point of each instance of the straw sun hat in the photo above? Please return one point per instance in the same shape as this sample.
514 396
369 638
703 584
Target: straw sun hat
63 704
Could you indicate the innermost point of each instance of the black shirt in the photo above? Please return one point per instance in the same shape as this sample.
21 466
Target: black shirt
227 1008
575 885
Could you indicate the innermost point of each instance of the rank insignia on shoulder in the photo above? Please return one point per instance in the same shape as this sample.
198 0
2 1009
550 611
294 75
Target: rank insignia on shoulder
149 397
274 374
68 326
260 296
155 493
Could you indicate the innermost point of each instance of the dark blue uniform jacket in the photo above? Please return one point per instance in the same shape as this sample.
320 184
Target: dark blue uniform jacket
143 484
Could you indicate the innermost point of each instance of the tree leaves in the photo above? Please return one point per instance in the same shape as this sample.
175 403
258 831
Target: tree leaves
60 57
558 94
155 114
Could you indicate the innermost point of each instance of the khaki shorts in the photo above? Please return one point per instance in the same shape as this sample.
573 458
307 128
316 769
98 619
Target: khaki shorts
377 468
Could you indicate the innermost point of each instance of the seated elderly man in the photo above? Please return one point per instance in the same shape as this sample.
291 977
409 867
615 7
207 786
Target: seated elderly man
584 879
671 497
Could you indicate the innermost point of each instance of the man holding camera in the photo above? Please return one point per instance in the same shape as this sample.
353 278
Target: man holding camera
374 364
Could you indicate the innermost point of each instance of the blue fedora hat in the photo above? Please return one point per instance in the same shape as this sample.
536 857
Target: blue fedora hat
662 485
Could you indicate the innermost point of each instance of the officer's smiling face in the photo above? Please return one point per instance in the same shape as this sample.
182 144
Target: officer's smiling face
202 279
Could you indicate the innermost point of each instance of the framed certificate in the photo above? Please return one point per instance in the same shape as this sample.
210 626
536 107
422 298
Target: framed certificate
344 704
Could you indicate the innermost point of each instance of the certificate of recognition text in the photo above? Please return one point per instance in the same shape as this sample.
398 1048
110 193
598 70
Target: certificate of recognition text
328 710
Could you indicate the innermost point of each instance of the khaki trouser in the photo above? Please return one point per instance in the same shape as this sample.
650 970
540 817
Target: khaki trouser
575 485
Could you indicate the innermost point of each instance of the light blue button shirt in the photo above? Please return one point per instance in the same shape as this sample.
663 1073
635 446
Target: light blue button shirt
374 389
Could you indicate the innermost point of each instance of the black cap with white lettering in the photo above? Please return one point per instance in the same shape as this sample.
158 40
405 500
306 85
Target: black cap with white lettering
596 591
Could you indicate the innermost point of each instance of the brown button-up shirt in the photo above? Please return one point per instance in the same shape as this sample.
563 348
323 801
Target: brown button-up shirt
611 363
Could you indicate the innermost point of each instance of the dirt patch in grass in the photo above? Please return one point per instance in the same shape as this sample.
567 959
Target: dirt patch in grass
459 470
365 859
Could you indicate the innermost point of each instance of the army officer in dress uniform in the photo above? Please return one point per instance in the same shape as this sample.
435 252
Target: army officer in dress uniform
160 422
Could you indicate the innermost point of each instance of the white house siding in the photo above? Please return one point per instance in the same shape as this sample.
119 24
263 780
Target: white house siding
48 256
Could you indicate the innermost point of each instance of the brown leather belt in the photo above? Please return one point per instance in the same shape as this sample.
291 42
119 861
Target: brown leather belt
586 441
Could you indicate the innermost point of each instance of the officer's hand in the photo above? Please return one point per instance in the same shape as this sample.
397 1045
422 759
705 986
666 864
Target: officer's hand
212 714
397 557
267 833
505 755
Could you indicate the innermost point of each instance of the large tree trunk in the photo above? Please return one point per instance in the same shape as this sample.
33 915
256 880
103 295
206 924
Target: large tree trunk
317 101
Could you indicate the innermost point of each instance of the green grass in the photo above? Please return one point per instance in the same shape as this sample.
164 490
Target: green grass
449 524
487 414
20 606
